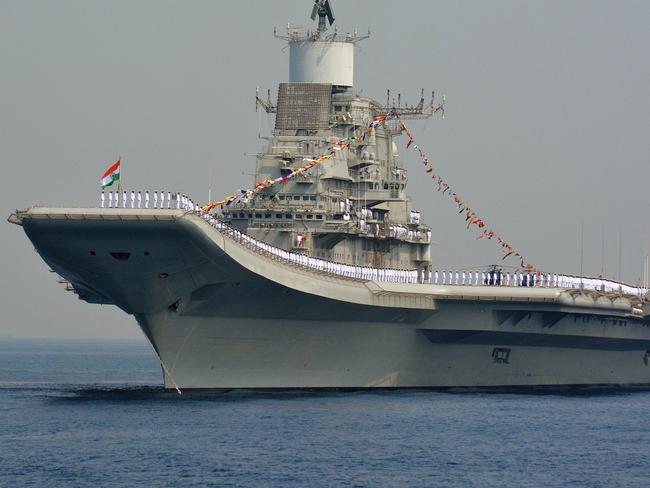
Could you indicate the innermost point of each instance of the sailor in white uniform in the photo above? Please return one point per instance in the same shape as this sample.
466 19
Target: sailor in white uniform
110 199
139 199
146 199
102 199
132 199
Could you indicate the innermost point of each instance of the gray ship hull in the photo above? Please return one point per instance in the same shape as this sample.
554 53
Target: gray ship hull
221 315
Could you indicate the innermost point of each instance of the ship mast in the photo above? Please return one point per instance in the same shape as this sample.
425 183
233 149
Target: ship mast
323 10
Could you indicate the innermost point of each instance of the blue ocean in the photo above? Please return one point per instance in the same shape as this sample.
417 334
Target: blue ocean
95 414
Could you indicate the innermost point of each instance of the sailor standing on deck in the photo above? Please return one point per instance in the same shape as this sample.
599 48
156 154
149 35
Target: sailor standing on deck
110 199
146 199
155 199
132 199
139 199
102 198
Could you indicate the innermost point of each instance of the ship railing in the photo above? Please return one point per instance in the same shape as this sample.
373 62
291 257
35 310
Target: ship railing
449 278
539 280
175 200
162 199
302 260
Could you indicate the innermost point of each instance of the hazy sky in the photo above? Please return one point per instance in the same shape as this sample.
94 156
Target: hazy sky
548 120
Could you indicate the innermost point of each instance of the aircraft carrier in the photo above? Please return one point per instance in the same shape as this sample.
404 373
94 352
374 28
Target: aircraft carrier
326 281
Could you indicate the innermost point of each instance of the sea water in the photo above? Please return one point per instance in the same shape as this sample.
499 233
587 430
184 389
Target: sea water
95 414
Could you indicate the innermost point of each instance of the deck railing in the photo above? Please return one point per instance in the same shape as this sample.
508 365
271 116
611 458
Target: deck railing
447 278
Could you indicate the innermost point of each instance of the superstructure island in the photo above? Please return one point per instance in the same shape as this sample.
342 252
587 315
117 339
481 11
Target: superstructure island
320 274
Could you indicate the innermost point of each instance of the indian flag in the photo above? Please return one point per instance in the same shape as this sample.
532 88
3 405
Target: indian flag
112 175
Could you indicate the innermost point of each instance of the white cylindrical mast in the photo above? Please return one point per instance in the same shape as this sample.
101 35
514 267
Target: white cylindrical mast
321 61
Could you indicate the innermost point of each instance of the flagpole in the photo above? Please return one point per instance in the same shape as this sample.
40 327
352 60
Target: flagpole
119 182
210 184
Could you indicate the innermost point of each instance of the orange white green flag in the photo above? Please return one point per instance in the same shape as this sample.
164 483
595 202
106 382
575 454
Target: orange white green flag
112 175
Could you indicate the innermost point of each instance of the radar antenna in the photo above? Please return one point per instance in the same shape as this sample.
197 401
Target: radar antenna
323 10
423 110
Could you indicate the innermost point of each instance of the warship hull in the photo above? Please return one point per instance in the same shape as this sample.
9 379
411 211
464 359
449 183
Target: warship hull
221 315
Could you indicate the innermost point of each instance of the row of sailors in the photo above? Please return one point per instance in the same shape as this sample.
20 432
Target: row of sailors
345 205
494 278
500 278
404 233
138 200
348 270
475 278
414 217
396 231
373 229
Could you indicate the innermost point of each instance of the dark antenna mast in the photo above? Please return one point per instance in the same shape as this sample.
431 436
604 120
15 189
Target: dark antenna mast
323 10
